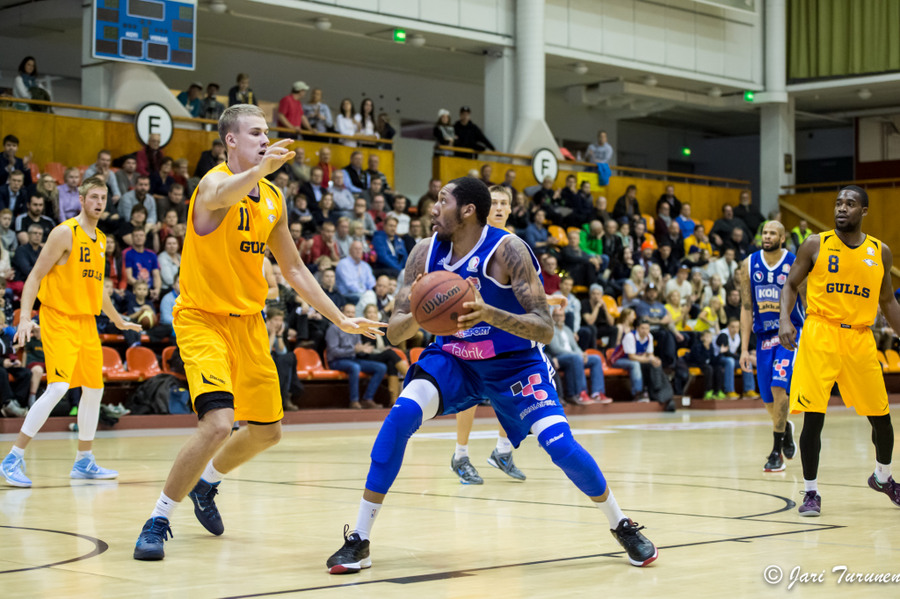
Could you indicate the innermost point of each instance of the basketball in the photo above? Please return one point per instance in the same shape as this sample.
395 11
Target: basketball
437 301
147 319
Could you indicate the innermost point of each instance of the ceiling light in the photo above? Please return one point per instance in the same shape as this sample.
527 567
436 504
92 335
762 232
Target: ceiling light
715 92
580 68
416 40
650 81
217 6
864 93
323 24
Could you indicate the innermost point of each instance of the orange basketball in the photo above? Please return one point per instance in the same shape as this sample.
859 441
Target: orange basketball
437 301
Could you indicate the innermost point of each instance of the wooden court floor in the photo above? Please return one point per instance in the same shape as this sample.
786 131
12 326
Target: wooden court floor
694 480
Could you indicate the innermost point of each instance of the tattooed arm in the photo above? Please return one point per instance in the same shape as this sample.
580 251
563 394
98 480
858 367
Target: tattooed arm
402 324
746 315
514 259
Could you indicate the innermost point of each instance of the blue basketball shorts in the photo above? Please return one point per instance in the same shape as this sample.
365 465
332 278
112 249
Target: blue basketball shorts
774 364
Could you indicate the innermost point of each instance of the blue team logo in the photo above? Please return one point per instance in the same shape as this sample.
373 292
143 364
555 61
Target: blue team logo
758 276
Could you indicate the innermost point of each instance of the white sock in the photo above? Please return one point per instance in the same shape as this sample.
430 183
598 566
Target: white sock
83 454
368 511
612 511
503 445
811 485
882 472
211 475
462 451
164 507
17 451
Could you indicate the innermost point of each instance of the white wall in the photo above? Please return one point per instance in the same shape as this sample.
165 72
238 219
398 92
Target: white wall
492 16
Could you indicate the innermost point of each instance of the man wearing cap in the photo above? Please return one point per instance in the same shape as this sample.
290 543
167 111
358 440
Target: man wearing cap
290 109
190 99
468 134
210 107
210 158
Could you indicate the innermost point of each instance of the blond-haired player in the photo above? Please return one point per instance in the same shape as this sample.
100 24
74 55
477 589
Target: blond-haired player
234 215
68 279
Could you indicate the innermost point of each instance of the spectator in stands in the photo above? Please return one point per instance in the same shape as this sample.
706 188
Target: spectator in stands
328 169
434 187
654 312
377 211
714 289
6 272
703 356
46 188
361 214
633 287
712 318
750 215
372 173
325 211
627 206
8 237
740 244
138 307
381 352
376 188
509 177
733 305
390 251
290 113
126 177
14 379
347 353
169 263
343 197
149 158
314 188
190 99
662 222
684 220
729 344
181 174
585 268
365 118
141 264
680 283
549 272
241 93
678 310
354 176
210 107
655 275
399 212
384 129
572 304
342 236
597 324
210 158
799 234
175 200
139 195
115 267
26 85
612 243
547 199
33 217
167 308
297 169
13 194
600 151
699 239
102 167
443 132
325 252
302 214
318 114
68 204
570 358
414 235
536 234
379 296
638 235
582 205
27 253
468 134
280 180
485 174
34 362
12 163
620 271
345 124
163 179
722 228
285 361
354 276
676 239
669 198
648 255
725 266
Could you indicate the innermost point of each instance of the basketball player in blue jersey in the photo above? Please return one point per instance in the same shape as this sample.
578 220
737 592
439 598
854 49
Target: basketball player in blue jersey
763 275
495 355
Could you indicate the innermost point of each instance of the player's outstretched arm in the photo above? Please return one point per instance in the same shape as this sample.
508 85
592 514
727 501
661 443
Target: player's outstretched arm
220 190
886 300
306 286
59 244
803 264
515 259
746 315
114 317
403 325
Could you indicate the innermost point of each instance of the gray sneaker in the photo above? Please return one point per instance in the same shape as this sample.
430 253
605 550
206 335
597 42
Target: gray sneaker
465 471
13 410
504 461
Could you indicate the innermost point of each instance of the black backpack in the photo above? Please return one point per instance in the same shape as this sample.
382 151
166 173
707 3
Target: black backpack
152 396
658 386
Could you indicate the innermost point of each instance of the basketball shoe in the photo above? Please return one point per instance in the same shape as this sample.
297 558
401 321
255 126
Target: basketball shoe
204 497
787 446
465 471
352 557
87 467
149 546
812 504
890 488
640 550
504 461
13 469
775 463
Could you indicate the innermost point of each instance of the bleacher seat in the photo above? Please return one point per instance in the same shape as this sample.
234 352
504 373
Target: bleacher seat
310 362
607 369
651 223
883 361
893 360
16 313
142 361
708 225
56 170
558 235
414 354
166 358
611 306
114 370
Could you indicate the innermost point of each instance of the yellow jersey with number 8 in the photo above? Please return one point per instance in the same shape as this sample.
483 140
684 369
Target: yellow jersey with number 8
76 287
844 284
222 271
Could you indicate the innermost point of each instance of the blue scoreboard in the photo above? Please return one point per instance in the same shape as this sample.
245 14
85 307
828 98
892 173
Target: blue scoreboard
153 32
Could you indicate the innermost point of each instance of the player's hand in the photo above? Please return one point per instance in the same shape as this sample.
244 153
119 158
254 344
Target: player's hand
787 335
124 325
557 300
276 156
24 332
746 364
481 312
362 326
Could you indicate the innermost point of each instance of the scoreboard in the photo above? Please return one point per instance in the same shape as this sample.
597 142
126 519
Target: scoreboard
152 32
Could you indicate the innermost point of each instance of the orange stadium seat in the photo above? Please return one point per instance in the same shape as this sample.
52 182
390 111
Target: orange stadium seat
400 353
309 360
882 360
607 369
113 369
651 223
414 354
558 235
142 361
166 358
35 171
16 313
893 360
707 225
56 170
611 305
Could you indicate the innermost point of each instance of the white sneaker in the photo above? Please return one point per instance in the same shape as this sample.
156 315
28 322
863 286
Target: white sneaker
13 409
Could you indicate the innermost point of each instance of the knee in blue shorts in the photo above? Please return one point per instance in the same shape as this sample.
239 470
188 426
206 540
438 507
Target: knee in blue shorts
573 459
402 421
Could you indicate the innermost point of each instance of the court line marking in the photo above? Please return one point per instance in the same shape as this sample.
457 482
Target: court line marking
100 546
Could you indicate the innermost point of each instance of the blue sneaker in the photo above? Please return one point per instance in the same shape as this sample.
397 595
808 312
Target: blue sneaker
87 468
14 471
149 546
204 497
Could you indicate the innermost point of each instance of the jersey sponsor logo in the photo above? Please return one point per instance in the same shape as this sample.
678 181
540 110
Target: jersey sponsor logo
270 204
870 262
870 251
475 281
758 276
781 367
528 389
781 279
473 332
768 292
786 268
471 350
834 250
206 381
473 264
253 247
771 342
848 289
435 302
442 262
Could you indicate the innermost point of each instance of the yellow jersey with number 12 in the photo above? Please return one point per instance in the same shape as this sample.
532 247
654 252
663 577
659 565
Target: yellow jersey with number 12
222 271
76 287
844 284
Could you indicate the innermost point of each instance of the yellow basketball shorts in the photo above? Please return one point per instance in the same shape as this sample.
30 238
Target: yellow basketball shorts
72 351
230 354
830 353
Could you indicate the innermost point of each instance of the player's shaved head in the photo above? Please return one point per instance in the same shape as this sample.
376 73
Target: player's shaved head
773 236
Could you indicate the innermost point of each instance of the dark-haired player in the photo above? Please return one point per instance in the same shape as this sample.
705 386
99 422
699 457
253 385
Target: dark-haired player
849 276
497 355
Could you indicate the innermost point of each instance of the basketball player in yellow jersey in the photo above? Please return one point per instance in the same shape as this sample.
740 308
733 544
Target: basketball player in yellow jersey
68 279
234 215
849 278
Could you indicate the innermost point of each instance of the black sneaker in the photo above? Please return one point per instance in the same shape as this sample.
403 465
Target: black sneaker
204 497
775 463
640 550
504 461
352 557
149 546
890 488
787 446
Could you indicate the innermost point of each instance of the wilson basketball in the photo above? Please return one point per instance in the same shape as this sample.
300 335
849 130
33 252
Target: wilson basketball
437 301
147 319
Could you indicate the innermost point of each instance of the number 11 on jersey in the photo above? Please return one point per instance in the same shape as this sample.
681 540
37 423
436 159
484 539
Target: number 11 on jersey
244 225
